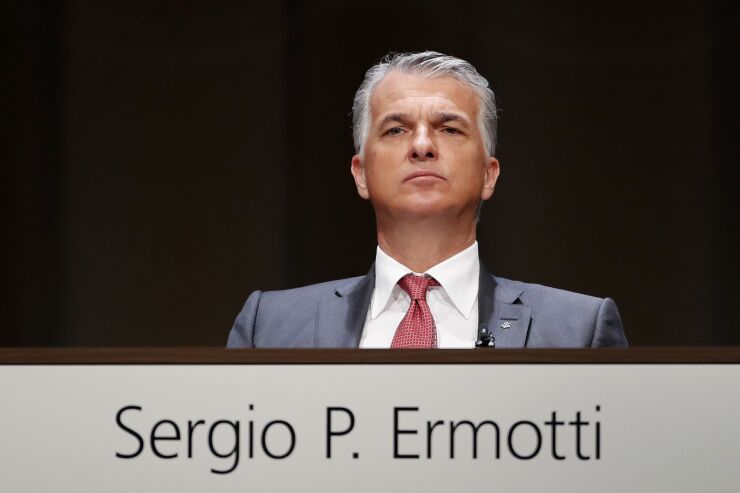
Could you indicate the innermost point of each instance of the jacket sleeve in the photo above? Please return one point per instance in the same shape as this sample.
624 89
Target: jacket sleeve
242 333
608 330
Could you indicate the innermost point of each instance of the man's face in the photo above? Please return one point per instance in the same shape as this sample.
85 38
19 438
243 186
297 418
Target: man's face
424 154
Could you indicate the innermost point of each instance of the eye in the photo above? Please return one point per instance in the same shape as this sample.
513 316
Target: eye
452 130
394 131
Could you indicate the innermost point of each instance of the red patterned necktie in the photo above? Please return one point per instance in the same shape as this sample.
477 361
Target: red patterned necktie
417 329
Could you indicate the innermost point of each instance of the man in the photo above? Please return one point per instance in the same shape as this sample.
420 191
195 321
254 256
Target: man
424 127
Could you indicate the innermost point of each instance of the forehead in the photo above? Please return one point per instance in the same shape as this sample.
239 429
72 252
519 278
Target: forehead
399 91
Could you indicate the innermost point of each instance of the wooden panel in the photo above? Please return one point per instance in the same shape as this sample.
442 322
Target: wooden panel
216 356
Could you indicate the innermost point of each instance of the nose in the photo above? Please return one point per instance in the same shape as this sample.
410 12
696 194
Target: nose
422 147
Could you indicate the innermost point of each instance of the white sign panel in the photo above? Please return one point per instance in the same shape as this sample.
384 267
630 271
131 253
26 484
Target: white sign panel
338 428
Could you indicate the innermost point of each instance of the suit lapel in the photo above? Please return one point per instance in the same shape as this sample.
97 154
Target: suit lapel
500 310
341 318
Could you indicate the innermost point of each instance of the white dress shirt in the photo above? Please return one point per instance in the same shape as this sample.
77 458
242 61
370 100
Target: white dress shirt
454 304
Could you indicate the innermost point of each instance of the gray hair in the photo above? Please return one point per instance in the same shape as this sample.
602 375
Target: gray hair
424 64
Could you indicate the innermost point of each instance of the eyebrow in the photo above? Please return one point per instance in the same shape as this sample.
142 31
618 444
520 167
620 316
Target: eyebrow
444 117
440 117
395 117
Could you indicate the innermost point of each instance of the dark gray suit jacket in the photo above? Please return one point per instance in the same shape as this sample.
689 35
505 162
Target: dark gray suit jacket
332 315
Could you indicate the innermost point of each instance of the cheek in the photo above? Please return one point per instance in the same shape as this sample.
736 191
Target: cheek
472 179
374 176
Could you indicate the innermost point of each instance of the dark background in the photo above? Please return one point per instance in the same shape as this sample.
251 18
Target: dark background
162 160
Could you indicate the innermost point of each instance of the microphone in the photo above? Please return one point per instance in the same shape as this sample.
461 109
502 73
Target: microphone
485 338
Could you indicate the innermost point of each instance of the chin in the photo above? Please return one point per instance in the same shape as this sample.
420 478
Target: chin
426 208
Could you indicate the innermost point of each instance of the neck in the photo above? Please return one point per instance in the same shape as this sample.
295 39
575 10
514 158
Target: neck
422 244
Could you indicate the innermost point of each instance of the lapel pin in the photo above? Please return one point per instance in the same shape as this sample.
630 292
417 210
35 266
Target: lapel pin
506 325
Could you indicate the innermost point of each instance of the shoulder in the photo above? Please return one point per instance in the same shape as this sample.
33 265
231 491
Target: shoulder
540 295
561 318
295 309
312 293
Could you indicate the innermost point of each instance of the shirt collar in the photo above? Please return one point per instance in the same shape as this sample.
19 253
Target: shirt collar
458 276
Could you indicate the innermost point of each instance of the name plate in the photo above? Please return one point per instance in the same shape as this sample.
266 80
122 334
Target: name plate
383 427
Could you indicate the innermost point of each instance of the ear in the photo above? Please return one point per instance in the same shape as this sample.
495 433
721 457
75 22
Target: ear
489 180
358 173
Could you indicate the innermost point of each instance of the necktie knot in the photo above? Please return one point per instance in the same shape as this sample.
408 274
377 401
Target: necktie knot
416 286
417 329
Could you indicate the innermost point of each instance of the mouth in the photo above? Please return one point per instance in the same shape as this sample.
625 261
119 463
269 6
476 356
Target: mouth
423 175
